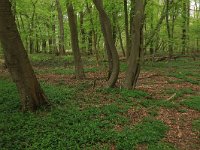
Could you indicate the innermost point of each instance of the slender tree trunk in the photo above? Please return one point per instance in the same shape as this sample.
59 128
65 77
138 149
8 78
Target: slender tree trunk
55 48
134 61
132 13
90 51
91 31
120 40
61 29
44 46
184 27
126 28
82 33
113 57
170 47
37 43
152 43
31 94
95 47
79 72
114 26
32 26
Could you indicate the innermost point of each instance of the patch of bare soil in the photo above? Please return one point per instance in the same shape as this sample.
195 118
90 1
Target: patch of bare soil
181 133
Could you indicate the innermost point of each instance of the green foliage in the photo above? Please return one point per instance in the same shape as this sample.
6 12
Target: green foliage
48 60
192 102
158 103
184 77
66 125
147 132
126 93
161 146
196 125
180 93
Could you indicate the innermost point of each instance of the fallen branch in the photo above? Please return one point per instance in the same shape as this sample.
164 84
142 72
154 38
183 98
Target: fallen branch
171 97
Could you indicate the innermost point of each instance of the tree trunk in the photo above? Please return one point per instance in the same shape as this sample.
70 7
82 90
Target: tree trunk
90 51
44 46
184 27
55 48
134 61
82 33
91 31
120 40
61 28
31 27
132 13
113 57
126 28
170 46
31 94
79 72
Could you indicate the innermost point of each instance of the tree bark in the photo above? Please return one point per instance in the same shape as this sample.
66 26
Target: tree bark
82 33
170 47
134 61
61 29
126 28
120 40
184 26
31 94
79 72
113 57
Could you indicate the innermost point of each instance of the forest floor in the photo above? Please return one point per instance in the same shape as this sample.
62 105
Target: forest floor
163 113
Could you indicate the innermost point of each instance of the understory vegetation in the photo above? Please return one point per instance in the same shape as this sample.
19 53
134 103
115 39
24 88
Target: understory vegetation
84 116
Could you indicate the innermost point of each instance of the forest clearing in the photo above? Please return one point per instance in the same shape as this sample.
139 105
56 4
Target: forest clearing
97 75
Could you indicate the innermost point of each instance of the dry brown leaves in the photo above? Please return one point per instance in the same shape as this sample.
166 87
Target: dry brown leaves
181 133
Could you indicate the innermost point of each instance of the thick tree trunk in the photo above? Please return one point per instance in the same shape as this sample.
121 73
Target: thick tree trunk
113 57
61 28
79 72
134 61
18 63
